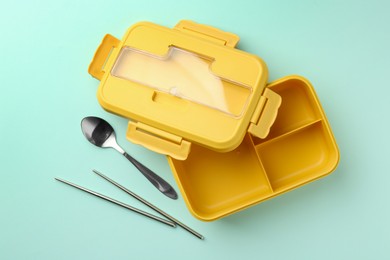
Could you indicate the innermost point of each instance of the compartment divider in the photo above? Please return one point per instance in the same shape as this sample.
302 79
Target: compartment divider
262 166
301 128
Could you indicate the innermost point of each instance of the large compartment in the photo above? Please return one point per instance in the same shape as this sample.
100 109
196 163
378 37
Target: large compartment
215 183
300 148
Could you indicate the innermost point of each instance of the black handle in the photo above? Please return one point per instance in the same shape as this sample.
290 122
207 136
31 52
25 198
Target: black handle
156 180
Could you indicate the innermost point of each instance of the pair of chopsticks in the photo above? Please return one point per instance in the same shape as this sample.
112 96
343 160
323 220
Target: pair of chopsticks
171 222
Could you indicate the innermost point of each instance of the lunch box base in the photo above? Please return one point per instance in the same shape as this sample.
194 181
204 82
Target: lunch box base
299 148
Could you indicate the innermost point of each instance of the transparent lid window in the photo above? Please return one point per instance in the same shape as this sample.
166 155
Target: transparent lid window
185 75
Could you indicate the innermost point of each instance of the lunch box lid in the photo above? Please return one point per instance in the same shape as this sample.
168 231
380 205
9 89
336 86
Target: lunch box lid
184 85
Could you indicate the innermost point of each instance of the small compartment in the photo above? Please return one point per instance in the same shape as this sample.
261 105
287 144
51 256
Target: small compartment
216 184
299 107
297 157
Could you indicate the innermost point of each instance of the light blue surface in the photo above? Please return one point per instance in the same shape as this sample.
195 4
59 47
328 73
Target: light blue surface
342 47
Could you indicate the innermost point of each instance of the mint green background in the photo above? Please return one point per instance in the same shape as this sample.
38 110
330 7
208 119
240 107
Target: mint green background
45 49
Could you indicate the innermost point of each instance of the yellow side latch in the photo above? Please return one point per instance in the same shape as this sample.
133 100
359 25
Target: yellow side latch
208 33
158 140
96 68
265 114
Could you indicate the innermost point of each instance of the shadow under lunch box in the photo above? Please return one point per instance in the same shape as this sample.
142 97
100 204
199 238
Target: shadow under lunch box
231 140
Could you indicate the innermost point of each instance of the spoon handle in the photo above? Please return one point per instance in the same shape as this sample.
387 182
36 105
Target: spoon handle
156 180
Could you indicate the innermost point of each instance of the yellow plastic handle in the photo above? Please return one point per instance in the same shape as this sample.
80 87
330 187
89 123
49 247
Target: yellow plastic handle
101 55
158 140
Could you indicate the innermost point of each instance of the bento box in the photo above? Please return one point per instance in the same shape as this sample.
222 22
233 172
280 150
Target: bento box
231 140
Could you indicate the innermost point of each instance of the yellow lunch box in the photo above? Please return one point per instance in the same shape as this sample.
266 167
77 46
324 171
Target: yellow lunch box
231 140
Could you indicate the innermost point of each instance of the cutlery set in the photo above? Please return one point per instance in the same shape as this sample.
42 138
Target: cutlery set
100 133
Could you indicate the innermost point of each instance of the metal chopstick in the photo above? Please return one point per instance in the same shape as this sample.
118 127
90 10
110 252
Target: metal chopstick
150 205
146 214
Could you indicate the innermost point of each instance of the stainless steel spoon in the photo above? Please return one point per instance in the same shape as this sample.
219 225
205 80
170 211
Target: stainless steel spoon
100 133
